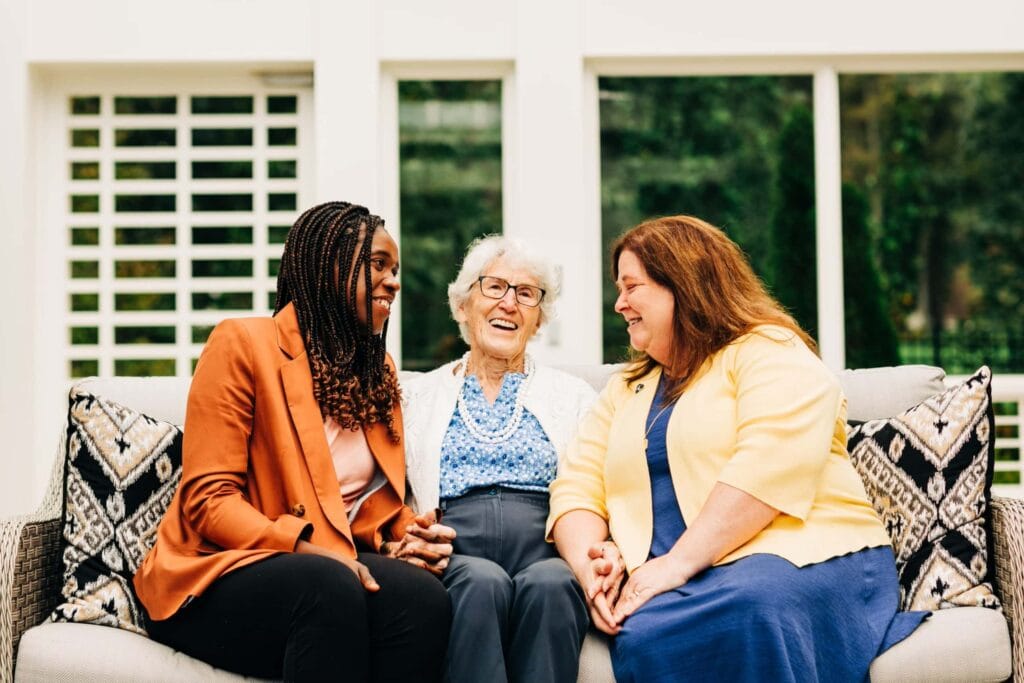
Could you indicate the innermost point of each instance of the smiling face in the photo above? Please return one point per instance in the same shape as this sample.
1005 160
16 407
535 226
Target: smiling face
383 279
500 328
647 307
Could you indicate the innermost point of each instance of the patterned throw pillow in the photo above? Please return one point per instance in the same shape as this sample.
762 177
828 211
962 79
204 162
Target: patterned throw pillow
928 473
121 471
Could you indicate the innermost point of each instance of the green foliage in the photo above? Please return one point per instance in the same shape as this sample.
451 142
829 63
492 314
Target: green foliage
940 159
792 273
450 147
706 147
870 337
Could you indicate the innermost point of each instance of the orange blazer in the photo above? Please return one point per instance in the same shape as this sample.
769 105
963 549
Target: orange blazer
257 472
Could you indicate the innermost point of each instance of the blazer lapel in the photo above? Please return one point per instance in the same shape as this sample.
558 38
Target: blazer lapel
298 388
390 456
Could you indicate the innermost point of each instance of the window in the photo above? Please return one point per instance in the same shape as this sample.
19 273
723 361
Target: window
933 219
451 193
178 202
735 151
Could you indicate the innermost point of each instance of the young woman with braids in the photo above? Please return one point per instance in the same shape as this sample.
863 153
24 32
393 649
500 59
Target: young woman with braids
287 551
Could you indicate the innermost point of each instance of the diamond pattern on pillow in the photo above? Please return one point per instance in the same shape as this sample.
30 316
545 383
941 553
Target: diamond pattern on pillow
928 473
121 472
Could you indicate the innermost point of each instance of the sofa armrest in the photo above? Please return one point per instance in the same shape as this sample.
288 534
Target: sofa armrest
30 576
1008 539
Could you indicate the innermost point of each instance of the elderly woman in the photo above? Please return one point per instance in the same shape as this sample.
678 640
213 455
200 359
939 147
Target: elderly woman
483 438
716 464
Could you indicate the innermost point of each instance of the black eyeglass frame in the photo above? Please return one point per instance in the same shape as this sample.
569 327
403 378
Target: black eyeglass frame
513 287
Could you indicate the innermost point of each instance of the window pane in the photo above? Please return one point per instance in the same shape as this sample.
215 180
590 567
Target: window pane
85 302
281 201
276 234
145 137
222 105
933 219
281 137
144 170
148 334
87 270
222 235
146 301
273 267
126 236
145 105
735 151
127 203
200 333
85 106
281 169
144 269
222 137
143 367
282 104
85 237
222 202
85 170
202 301
450 165
85 137
84 368
85 203
222 268
222 169
85 335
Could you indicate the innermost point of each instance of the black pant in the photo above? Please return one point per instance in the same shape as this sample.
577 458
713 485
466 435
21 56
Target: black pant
307 618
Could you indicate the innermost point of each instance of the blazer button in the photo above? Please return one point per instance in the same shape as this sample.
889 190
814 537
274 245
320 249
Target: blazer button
299 510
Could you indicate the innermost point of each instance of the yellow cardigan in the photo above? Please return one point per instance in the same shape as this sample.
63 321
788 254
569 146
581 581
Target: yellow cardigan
763 415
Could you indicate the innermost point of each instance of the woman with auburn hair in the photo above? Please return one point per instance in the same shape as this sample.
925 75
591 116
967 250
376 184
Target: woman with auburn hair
287 551
708 506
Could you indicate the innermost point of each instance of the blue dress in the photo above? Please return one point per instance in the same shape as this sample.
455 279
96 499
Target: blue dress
760 618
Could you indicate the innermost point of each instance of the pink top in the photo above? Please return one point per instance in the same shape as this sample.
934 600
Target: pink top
353 461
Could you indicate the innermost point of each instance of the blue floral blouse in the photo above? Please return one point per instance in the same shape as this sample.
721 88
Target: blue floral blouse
526 461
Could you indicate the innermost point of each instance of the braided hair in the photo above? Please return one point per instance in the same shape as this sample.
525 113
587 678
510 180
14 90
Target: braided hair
327 249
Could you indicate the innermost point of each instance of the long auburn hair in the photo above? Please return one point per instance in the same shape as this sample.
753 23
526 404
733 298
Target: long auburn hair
326 251
718 298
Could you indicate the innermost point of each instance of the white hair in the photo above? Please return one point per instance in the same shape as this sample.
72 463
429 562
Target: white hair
484 251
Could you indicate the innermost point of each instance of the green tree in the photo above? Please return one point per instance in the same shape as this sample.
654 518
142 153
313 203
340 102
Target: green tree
792 247
870 336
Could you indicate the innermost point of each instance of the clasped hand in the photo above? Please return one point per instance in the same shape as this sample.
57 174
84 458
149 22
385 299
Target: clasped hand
611 596
426 544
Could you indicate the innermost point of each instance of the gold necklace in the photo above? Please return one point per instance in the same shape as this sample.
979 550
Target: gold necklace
655 420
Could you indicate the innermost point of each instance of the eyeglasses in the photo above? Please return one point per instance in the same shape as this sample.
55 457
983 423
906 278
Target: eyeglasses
496 288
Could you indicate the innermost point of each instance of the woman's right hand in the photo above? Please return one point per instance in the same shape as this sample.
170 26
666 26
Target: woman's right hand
358 568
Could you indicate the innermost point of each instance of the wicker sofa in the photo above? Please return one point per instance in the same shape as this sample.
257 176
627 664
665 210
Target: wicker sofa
961 644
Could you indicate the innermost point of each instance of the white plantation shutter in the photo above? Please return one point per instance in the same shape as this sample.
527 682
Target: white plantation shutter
177 205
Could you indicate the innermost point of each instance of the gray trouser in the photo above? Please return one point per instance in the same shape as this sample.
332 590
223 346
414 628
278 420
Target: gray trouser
517 612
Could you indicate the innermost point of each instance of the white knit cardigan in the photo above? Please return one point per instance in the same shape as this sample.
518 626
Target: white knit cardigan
557 399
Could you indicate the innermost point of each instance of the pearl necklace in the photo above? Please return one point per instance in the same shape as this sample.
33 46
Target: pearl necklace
510 428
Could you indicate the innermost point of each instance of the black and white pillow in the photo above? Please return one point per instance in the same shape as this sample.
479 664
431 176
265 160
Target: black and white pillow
121 472
928 473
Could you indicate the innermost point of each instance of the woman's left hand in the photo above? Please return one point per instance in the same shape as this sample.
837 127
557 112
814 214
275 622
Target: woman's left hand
651 578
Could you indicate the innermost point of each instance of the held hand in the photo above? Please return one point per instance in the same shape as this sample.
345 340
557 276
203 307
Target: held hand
602 577
608 568
425 544
650 579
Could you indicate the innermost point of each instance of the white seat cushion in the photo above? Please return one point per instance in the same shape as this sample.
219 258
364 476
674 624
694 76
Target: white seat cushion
958 644
84 653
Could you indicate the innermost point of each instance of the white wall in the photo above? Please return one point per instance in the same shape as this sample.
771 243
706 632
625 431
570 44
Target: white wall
550 54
